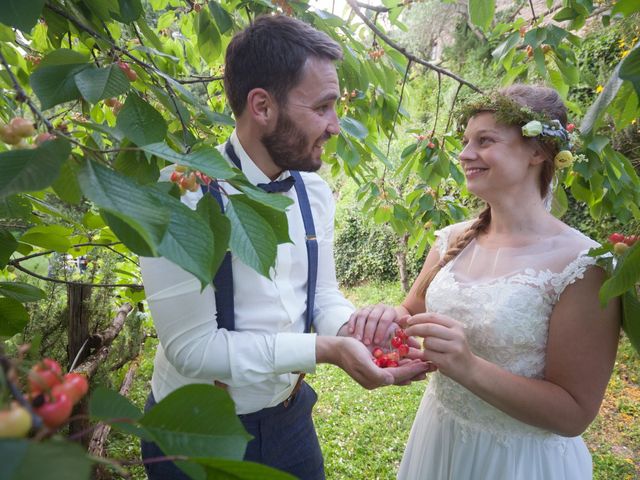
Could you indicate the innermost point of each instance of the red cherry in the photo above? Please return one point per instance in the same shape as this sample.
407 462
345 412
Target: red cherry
56 411
570 127
431 145
377 352
44 375
392 363
75 386
616 238
403 350
400 333
396 342
175 177
629 240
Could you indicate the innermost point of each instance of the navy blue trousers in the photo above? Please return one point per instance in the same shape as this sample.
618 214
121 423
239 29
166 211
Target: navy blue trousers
284 438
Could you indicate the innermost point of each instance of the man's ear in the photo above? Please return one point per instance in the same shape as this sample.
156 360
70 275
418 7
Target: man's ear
261 106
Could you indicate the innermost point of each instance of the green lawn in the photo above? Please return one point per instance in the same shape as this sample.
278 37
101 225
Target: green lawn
363 432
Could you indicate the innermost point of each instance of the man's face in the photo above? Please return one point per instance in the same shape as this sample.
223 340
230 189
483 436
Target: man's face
307 120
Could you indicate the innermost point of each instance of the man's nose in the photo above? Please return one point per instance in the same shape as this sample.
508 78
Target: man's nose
333 127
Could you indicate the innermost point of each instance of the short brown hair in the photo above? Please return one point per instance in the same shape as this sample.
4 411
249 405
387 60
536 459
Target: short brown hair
271 54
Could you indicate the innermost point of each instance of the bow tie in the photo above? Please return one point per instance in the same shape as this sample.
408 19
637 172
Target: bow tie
278 185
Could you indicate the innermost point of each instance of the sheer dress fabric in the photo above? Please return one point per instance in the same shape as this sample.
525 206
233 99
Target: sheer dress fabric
504 298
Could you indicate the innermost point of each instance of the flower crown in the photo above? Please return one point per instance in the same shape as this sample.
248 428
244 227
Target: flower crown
534 124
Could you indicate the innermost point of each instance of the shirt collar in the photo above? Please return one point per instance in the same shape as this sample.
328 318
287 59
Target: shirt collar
250 169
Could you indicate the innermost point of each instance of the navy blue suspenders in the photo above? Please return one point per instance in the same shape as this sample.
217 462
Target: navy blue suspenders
223 280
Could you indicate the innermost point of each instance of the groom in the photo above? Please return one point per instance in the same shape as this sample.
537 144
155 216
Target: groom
254 334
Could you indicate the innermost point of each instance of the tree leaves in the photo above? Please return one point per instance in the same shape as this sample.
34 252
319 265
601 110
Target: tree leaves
13 317
481 12
98 84
140 122
625 276
54 80
22 292
24 460
32 169
21 14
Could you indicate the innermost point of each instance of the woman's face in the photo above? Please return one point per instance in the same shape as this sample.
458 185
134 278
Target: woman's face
497 160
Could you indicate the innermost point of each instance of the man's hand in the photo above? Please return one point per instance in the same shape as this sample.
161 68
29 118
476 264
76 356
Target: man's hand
354 358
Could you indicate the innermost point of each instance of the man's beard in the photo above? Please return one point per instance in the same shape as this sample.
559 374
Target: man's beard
289 147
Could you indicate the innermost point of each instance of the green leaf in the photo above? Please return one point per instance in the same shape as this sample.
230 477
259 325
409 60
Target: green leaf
22 292
229 469
188 240
221 16
32 169
54 80
108 406
15 206
481 12
197 420
207 160
630 69
209 42
127 234
8 245
625 276
353 127
252 239
131 203
209 211
505 47
631 318
598 107
53 460
134 164
140 122
50 237
98 84
21 14
13 317
277 219
130 10
625 7
66 186
278 202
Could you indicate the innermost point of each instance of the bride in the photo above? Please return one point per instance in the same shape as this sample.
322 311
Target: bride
511 316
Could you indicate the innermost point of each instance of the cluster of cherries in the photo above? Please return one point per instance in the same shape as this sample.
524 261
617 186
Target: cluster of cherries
18 130
52 396
392 358
621 243
188 180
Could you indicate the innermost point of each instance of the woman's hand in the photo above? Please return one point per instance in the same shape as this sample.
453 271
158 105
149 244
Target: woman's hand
371 325
445 344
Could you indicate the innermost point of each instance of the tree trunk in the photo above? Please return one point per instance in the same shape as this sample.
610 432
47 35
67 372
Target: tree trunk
78 330
401 258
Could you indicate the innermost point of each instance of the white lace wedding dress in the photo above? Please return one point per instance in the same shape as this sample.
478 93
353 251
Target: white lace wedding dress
504 296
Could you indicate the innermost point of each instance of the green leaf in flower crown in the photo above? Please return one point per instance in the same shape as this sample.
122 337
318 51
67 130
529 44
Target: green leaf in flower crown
13 317
100 83
32 169
140 122
22 292
21 14
123 198
252 239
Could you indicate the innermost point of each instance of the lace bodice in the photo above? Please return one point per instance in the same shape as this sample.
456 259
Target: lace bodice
504 297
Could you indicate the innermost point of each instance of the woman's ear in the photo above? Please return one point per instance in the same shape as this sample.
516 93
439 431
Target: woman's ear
260 106
538 155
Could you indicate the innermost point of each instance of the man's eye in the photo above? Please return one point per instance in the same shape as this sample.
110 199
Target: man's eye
484 140
322 109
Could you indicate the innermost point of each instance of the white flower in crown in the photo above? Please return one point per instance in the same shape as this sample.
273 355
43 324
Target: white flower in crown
532 129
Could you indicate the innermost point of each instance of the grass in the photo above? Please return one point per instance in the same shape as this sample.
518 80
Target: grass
363 433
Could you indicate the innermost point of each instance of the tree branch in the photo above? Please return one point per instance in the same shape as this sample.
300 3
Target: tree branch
67 282
403 51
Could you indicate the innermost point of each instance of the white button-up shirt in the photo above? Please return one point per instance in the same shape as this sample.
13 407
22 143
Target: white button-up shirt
256 360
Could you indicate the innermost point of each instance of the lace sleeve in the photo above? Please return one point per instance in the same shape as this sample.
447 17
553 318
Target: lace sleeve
573 271
442 239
